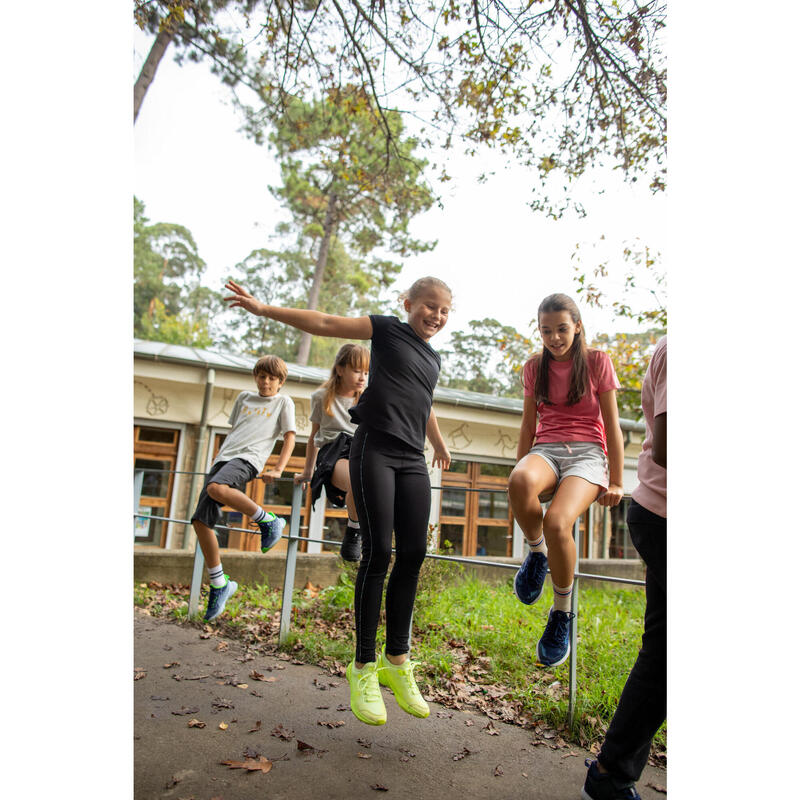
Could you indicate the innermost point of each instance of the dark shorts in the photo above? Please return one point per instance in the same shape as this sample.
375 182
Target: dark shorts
327 457
236 473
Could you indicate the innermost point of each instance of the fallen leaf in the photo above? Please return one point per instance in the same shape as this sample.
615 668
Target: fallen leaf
331 724
138 673
184 711
463 754
261 764
172 664
444 714
498 771
524 774
364 755
221 647
257 727
241 685
158 697
282 733
490 729
258 676
195 723
250 753
469 723
658 787
364 743
568 755
221 702
223 726
378 787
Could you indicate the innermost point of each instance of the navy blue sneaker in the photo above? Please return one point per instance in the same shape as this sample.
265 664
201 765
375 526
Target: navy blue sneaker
218 596
529 580
553 647
604 786
271 530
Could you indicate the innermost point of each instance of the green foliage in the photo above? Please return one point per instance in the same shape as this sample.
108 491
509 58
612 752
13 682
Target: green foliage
487 359
564 86
169 303
350 208
640 297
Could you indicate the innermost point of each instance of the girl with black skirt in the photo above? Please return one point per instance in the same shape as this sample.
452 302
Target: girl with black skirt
328 449
389 478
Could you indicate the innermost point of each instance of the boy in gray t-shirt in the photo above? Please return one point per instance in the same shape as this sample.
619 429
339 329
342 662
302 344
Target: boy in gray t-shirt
257 420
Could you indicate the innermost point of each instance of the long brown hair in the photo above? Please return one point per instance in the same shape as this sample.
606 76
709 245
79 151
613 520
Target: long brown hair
579 376
349 355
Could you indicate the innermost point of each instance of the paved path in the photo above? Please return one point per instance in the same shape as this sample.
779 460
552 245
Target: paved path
209 680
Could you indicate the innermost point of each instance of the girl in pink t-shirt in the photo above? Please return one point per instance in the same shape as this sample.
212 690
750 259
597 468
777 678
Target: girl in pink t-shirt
570 452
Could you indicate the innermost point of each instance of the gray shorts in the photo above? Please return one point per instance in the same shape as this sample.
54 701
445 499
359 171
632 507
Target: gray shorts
236 473
584 459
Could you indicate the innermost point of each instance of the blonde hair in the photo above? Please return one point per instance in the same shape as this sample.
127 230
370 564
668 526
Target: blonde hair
421 284
349 355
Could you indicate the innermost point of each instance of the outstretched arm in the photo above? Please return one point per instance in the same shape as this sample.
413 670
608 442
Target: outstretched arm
313 322
616 449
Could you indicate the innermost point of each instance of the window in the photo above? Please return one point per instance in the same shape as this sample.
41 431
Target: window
155 452
475 516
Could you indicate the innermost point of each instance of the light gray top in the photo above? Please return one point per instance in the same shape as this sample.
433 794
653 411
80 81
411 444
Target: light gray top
331 425
257 422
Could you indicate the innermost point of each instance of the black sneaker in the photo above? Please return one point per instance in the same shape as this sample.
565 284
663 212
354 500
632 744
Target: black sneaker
351 544
217 597
529 579
604 786
553 647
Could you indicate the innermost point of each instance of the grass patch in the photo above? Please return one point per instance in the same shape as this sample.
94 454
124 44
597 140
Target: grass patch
475 642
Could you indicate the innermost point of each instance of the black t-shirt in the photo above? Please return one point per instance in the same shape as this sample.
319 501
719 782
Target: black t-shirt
403 371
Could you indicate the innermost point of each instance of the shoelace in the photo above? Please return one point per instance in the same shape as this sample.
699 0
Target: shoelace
557 627
366 687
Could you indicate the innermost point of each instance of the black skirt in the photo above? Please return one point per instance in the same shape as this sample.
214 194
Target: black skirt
327 457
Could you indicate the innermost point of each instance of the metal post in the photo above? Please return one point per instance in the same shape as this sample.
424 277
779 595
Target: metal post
197 579
199 454
573 636
138 482
291 564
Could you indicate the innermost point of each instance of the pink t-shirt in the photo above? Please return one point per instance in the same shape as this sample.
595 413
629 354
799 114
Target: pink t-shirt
583 421
652 489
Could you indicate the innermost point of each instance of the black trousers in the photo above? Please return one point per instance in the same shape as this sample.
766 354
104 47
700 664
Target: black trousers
643 703
392 490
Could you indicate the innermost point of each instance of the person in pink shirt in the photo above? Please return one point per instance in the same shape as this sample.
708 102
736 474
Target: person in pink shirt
642 706
570 452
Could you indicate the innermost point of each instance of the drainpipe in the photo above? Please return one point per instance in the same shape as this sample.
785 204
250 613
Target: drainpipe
200 453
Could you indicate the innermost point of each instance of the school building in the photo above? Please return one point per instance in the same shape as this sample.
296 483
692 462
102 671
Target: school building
182 399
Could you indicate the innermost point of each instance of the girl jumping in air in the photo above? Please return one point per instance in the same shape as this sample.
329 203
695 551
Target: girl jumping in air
388 476
576 458
331 435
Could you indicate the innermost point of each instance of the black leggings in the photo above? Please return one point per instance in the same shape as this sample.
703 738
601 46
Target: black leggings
392 490
643 704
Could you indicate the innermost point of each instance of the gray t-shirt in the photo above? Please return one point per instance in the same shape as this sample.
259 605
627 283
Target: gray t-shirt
331 425
257 422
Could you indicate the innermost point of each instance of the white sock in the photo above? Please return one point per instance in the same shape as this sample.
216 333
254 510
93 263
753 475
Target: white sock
562 598
216 576
261 515
353 523
539 545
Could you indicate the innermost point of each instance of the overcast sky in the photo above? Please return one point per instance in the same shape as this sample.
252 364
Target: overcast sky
194 167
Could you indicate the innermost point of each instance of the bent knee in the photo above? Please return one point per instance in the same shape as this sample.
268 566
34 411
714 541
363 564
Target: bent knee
557 525
216 490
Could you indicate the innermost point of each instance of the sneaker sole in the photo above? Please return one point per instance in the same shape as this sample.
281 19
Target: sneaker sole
554 664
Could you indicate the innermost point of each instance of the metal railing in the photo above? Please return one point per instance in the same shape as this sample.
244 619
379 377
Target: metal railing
294 539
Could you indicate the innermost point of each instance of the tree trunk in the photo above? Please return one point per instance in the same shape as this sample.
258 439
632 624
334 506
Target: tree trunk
149 68
304 348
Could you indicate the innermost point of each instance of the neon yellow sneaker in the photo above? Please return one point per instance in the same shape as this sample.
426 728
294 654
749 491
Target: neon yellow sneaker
365 693
400 679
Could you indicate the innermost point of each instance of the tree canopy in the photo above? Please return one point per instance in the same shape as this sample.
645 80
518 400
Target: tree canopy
169 302
563 84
